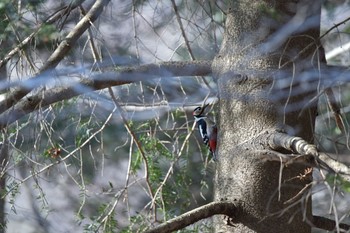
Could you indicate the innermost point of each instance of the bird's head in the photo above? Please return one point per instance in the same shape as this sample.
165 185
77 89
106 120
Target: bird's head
199 111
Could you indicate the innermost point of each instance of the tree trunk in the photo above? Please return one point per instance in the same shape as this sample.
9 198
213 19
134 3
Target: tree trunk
267 47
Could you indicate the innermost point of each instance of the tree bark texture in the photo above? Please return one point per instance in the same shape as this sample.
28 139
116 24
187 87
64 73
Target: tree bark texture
268 48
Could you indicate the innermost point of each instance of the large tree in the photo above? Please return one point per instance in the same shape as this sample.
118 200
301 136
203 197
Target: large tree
270 72
266 45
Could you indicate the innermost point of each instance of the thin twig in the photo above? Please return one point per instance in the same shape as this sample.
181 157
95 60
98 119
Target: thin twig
50 20
98 58
335 108
183 33
299 194
102 127
138 145
171 166
63 48
335 26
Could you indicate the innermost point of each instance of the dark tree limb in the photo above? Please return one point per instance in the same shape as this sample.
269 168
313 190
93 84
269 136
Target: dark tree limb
206 211
63 48
187 43
231 210
100 81
328 224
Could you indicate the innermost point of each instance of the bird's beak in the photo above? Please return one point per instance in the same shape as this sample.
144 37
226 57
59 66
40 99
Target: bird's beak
205 106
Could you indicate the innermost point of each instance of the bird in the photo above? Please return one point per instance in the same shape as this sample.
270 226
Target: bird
207 129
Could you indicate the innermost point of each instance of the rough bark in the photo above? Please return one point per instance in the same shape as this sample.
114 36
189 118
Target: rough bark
267 46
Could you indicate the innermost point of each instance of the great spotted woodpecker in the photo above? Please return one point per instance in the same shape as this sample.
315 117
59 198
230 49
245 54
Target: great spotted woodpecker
207 129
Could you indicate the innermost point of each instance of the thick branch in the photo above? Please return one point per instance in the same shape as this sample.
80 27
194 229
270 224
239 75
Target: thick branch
228 209
63 48
195 215
101 81
337 166
301 150
328 224
278 140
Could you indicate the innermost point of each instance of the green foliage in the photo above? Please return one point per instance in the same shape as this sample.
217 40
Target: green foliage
15 27
108 223
92 227
6 9
152 148
13 190
83 132
73 125
34 4
173 188
137 224
47 33
338 181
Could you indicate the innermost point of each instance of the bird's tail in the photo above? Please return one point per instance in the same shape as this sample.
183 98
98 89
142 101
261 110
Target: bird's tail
213 154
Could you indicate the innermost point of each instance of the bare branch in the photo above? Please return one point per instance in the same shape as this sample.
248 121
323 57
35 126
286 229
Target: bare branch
63 48
100 81
337 166
183 33
51 19
206 211
334 106
138 145
335 26
182 30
